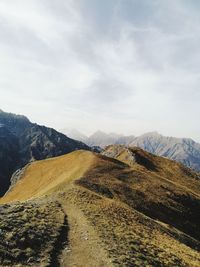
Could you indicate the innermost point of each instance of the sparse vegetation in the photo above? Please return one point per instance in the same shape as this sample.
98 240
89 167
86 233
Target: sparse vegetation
29 231
132 239
132 215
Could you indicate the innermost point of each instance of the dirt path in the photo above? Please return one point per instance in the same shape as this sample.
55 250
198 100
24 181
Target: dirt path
84 248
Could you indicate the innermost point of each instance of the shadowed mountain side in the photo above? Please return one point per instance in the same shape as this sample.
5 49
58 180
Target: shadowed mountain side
135 213
144 161
9 157
22 141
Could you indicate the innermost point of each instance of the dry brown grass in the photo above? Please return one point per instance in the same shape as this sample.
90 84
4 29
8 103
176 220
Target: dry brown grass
129 237
42 177
142 214
29 232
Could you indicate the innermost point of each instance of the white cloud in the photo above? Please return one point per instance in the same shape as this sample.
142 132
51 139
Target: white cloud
126 66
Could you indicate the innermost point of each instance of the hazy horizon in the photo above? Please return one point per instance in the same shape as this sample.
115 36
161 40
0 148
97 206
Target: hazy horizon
69 130
128 66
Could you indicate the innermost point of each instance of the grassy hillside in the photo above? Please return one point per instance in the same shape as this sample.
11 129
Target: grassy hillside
50 175
135 210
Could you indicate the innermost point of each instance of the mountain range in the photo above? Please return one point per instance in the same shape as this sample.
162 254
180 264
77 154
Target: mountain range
183 150
22 141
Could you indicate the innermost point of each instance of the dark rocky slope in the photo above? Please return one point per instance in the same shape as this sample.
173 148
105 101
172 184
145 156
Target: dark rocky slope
22 141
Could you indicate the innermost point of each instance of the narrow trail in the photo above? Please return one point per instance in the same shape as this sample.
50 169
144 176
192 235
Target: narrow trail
84 247
60 244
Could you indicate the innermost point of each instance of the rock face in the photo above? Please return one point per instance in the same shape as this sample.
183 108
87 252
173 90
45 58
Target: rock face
183 150
9 156
22 141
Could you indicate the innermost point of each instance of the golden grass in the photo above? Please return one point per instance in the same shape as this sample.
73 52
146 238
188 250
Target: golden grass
41 177
129 237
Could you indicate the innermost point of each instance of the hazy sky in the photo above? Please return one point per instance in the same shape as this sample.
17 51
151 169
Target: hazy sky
128 66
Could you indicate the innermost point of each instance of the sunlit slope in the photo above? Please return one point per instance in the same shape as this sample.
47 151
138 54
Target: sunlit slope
41 177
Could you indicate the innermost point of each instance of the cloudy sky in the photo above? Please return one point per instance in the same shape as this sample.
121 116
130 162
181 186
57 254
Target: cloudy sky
126 66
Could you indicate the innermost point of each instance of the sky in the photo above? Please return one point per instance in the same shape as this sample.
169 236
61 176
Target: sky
125 66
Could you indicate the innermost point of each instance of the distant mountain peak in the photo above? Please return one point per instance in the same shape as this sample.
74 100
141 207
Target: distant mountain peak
98 132
152 134
74 134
